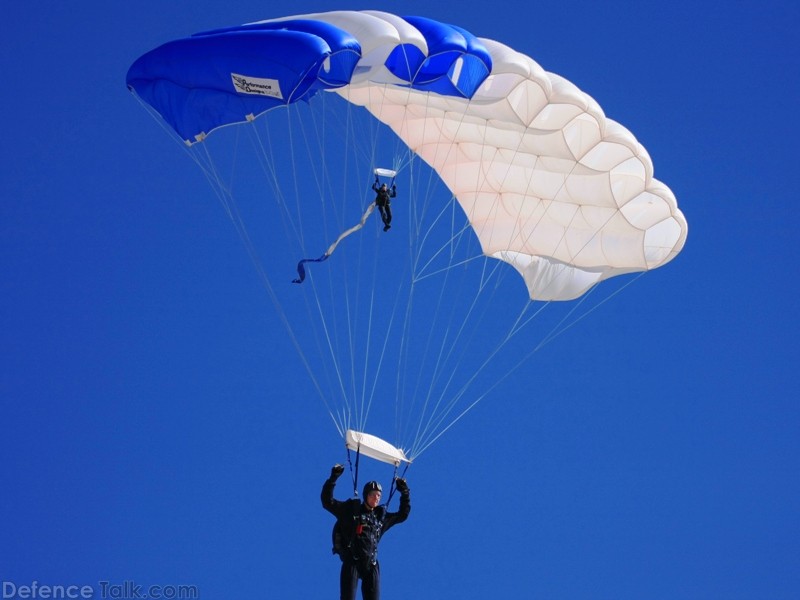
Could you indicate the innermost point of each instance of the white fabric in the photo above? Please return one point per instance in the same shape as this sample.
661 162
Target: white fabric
374 447
538 169
541 173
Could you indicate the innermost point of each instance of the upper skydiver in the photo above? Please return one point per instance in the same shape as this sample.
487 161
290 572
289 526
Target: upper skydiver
383 201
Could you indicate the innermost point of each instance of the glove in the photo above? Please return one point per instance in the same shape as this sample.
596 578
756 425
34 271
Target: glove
402 485
336 471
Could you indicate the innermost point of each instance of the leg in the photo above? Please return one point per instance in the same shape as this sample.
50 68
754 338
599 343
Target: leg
348 581
386 217
371 583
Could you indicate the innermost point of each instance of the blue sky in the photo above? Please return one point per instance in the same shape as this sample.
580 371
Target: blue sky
157 427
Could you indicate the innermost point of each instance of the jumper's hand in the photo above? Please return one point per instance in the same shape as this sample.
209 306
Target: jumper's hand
402 485
336 471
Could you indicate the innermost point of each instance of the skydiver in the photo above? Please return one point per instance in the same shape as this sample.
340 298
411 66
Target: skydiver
383 202
359 527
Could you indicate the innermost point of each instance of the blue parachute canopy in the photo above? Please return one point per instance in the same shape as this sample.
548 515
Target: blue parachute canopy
231 75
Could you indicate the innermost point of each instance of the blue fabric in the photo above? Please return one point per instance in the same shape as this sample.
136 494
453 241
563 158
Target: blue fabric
189 82
446 45
404 61
301 270
339 41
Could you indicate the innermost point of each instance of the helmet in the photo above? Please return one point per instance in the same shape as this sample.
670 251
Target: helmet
372 486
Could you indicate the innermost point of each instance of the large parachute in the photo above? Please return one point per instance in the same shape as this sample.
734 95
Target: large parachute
546 182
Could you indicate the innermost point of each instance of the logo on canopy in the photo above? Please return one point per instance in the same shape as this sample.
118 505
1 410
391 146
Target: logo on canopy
257 86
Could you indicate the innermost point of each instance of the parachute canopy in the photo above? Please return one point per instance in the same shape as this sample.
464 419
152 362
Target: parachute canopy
380 172
374 447
542 184
549 184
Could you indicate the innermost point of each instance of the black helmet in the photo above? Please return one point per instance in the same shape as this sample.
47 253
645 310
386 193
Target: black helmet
372 486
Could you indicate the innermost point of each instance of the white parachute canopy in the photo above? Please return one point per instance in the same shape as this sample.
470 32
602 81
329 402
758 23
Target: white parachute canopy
374 447
380 172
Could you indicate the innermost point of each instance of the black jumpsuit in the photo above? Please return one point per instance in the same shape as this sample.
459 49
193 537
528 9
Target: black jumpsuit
361 529
384 204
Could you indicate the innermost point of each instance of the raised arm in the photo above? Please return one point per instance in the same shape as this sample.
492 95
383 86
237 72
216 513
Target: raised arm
393 518
329 503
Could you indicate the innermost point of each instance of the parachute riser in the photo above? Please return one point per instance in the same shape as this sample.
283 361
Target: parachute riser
354 475
393 487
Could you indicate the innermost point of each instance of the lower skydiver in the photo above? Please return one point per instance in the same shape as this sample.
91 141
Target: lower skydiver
359 527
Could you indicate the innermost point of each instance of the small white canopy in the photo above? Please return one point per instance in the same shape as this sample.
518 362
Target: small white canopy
385 172
374 447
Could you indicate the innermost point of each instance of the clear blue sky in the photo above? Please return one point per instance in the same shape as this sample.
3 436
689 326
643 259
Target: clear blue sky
156 426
